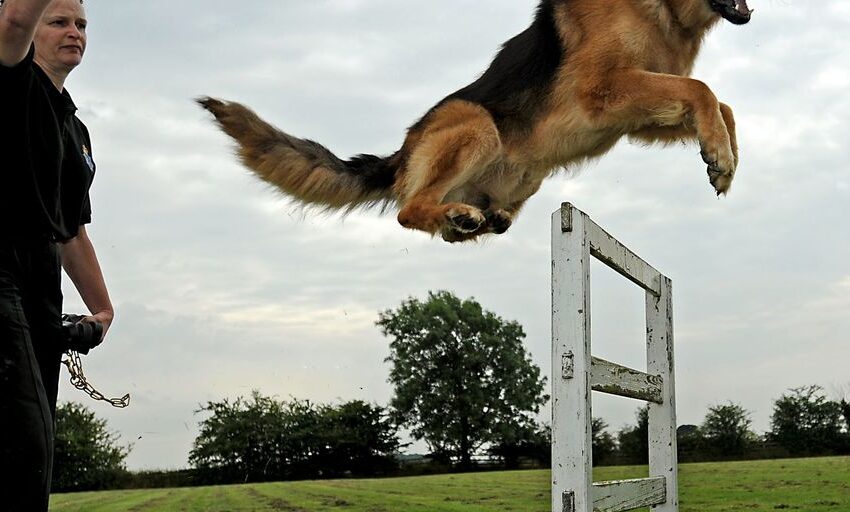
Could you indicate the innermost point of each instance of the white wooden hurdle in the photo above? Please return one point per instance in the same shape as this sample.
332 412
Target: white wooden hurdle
575 372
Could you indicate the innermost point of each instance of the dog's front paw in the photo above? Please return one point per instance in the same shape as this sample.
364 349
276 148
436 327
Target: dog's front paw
720 180
721 168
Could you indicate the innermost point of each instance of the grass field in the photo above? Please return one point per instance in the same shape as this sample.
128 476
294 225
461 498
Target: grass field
806 485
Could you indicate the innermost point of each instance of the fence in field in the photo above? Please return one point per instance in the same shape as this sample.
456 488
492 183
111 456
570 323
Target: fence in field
575 372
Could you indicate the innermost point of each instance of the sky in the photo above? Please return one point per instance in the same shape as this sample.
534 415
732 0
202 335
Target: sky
222 286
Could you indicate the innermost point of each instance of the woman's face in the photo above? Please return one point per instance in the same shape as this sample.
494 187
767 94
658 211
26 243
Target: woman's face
60 39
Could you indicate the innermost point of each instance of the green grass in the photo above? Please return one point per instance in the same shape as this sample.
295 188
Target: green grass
806 485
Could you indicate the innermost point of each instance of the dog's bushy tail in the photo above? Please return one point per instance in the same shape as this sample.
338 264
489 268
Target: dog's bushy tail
303 169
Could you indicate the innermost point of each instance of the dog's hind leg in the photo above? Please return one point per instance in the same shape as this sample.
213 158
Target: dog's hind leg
459 141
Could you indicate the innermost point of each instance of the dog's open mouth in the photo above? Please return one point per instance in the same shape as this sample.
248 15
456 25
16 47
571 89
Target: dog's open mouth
735 11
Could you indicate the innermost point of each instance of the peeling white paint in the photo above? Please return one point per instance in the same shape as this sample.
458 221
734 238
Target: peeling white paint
575 239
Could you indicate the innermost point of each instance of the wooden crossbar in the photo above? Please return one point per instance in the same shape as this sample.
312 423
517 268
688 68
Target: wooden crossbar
614 379
621 495
614 254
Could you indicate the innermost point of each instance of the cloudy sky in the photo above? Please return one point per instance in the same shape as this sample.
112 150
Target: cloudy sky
222 286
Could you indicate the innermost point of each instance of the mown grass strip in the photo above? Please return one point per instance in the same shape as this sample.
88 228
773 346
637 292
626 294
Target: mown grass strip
805 485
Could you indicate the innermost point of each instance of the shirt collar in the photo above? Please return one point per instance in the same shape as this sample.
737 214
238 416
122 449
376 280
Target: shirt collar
61 101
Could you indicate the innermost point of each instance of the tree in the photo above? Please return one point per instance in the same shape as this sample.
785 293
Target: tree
603 442
359 439
461 375
240 440
86 454
262 439
845 411
726 429
804 421
690 443
844 405
634 441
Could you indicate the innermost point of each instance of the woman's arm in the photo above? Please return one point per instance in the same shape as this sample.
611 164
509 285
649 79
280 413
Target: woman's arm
18 20
80 263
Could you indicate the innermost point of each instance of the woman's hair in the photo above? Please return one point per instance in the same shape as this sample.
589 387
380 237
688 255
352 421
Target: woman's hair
1 2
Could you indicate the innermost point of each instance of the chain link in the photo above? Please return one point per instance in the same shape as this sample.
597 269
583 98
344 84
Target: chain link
78 380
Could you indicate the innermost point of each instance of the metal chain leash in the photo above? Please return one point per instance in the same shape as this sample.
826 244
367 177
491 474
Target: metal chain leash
78 380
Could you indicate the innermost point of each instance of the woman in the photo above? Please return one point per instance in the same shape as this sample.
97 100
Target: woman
45 175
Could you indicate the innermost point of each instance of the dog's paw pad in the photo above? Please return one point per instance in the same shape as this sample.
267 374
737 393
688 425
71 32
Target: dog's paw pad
464 218
465 223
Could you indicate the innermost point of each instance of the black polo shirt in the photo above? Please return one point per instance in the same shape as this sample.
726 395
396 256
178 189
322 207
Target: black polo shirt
46 165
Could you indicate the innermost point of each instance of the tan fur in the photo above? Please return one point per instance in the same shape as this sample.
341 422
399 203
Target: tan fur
624 73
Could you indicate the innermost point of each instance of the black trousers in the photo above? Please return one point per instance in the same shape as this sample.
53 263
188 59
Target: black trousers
30 360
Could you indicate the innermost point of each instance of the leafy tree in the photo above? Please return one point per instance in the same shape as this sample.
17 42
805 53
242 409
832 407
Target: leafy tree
690 442
240 440
358 438
262 439
845 411
726 429
844 404
804 421
603 442
634 441
461 375
87 456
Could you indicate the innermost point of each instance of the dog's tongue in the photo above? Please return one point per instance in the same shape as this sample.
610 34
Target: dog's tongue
741 5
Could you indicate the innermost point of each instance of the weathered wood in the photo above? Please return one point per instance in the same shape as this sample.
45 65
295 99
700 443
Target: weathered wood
575 240
620 258
571 456
621 495
614 379
662 417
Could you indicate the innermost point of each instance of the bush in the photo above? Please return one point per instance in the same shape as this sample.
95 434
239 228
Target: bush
86 455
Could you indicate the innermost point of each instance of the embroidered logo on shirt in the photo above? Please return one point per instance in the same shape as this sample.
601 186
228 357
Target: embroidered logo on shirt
88 158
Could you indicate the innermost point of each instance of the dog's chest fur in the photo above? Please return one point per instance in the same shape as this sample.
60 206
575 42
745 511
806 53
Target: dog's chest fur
566 132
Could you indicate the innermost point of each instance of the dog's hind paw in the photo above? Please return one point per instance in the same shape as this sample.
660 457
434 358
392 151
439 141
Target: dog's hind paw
498 221
465 219
452 236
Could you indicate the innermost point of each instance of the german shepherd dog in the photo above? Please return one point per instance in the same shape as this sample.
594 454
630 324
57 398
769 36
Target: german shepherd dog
583 75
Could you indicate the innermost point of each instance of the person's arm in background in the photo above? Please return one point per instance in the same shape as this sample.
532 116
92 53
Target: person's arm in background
18 20
80 263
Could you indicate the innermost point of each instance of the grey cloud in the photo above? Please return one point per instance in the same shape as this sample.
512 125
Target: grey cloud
222 286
